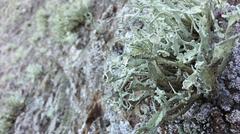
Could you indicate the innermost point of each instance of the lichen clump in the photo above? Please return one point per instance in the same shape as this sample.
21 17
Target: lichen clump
174 51
10 108
62 20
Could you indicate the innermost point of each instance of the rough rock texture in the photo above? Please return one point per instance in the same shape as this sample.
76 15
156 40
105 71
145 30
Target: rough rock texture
70 95
67 97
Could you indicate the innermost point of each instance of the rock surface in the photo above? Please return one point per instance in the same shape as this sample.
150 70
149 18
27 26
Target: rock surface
70 95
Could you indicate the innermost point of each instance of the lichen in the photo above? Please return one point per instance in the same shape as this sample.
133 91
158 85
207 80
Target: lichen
174 51
33 71
61 20
10 108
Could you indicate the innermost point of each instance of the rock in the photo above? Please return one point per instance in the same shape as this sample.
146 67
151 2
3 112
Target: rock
234 119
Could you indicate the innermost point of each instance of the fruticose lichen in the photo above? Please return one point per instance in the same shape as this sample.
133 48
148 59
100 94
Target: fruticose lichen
173 52
62 20
10 109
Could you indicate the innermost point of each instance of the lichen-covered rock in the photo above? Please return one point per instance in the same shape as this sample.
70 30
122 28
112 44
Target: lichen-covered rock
232 73
217 122
224 99
69 94
234 119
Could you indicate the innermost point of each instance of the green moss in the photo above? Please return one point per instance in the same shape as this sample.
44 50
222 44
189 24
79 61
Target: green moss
171 57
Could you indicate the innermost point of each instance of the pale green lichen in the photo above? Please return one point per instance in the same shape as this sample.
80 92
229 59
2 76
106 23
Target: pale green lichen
42 22
62 20
10 108
33 71
172 57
